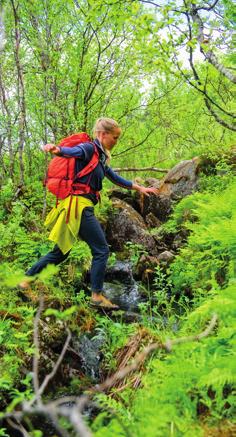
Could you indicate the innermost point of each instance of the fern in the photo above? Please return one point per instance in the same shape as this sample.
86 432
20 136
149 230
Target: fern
209 256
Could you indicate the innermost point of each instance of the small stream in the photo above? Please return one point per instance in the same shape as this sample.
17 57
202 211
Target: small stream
121 288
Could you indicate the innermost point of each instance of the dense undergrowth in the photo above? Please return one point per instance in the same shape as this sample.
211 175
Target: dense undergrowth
189 391
192 390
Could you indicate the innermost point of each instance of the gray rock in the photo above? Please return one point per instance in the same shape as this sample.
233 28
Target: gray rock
166 256
125 224
89 352
179 182
120 271
152 221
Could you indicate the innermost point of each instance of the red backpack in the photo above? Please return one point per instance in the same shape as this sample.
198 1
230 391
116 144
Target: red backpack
61 175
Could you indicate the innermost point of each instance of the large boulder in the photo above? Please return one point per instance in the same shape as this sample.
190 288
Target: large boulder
126 224
180 181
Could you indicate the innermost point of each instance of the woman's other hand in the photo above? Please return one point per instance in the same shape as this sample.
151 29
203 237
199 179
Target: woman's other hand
51 148
145 190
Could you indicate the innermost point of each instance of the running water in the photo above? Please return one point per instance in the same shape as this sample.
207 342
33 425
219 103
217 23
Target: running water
121 288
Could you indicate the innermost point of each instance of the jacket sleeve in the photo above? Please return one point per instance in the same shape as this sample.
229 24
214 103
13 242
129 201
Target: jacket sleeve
83 151
117 179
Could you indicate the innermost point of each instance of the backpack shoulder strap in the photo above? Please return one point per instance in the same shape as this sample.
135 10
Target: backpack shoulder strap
91 164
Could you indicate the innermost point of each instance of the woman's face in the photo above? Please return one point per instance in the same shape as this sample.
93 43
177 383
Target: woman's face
109 139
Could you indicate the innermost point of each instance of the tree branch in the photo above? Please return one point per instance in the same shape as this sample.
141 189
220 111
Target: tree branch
209 55
208 99
167 346
209 8
160 170
136 145
36 354
218 119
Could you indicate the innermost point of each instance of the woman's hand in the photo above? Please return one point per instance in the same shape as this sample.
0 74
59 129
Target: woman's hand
51 148
145 190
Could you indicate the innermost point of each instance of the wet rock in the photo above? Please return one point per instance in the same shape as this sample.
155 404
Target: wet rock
125 224
89 352
120 271
127 297
153 182
121 288
164 240
126 196
179 240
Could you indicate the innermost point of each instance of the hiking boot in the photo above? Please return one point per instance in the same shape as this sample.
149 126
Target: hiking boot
24 285
100 301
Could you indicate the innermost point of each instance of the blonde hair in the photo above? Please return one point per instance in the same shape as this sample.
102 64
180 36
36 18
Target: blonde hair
105 125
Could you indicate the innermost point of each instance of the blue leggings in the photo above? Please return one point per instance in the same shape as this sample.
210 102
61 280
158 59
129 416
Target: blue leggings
91 232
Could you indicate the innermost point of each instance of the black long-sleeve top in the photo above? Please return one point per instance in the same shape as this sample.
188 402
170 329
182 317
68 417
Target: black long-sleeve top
84 153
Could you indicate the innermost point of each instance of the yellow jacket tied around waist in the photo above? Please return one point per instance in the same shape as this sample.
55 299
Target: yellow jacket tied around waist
62 233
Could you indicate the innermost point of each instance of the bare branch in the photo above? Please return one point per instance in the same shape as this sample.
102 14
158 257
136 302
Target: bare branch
76 420
36 354
160 170
160 6
150 3
204 92
144 106
170 343
209 8
217 118
59 360
18 427
137 145
20 90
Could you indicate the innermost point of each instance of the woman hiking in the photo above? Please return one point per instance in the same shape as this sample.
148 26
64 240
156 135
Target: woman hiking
75 214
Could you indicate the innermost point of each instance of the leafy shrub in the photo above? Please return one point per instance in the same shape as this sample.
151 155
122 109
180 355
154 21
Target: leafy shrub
209 256
194 380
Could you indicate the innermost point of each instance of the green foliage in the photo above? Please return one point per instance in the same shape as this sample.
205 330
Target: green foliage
61 315
17 244
78 262
105 205
120 61
220 177
3 432
196 378
15 347
7 193
208 258
71 80
115 335
135 250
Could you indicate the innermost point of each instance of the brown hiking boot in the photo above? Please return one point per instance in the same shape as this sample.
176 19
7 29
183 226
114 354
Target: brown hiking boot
24 285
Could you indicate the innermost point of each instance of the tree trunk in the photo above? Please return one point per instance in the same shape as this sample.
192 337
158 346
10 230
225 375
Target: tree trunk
20 93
